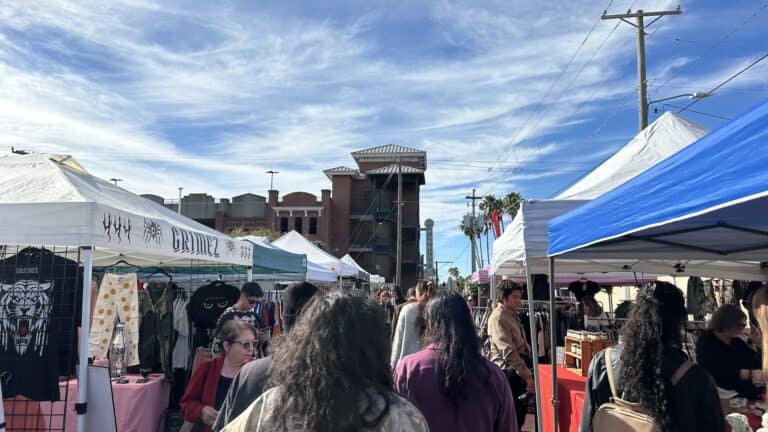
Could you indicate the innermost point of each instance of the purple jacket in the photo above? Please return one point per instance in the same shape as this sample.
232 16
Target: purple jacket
487 409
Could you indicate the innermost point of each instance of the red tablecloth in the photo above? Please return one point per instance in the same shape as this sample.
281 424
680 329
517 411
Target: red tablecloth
570 393
138 407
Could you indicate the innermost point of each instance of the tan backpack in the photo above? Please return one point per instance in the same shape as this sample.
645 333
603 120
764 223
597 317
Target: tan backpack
622 415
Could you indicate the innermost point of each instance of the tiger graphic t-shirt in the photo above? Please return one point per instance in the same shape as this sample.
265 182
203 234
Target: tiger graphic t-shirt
39 314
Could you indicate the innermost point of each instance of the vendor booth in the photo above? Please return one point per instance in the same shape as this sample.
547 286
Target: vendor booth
521 252
296 243
705 203
273 263
56 223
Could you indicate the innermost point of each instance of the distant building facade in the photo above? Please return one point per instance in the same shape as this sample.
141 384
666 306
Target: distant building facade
358 215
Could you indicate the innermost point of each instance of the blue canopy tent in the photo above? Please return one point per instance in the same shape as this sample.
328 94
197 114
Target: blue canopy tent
709 201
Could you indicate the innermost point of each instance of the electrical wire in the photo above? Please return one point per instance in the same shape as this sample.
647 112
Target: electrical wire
731 78
698 112
505 153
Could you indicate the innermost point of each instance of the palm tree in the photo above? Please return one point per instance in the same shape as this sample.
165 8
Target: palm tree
488 206
238 232
511 204
454 272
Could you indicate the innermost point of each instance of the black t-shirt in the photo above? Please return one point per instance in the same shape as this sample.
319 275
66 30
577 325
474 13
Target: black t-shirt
40 309
206 306
221 391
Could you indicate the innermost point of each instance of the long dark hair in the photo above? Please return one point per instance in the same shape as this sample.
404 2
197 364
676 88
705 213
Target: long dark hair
653 328
460 364
332 372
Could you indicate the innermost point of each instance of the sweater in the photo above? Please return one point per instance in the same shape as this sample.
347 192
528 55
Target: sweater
725 361
489 406
406 340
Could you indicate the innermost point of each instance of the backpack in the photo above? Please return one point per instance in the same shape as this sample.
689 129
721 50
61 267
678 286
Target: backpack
622 415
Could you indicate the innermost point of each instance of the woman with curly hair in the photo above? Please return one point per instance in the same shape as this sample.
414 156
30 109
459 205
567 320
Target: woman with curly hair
332 374
450 381
644 363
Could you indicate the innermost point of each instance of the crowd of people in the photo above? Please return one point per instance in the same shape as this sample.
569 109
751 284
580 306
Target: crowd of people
348 361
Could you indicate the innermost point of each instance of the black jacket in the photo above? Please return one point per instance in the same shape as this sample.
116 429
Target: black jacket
724 361
695 404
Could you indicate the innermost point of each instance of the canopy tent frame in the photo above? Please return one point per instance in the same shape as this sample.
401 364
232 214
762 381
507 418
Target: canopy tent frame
52 201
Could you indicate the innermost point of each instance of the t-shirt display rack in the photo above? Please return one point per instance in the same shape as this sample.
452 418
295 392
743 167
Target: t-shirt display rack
40 295
40 314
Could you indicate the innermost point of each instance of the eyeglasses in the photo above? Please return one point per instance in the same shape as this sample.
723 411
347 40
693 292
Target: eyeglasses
253 301
247 345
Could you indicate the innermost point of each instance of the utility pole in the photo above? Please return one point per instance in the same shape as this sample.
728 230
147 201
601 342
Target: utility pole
474 198
399 259
180 189
272 178
639 24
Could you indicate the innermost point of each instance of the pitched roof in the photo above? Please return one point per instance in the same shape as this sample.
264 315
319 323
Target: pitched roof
340 171
388 149
392 169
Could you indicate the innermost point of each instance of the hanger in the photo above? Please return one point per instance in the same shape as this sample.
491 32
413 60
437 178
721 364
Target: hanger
124 262
160 271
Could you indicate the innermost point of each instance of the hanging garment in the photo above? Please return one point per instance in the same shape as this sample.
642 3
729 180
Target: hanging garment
156 330
583 288
118 298
206 306
180 356
40 309
540 287
694 292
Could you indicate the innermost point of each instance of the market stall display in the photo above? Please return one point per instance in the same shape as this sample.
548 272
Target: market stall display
51 201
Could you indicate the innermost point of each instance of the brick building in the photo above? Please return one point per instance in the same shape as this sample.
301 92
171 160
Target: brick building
357 215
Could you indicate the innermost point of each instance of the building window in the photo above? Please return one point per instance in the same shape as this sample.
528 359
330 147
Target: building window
298 225
283 225
313 225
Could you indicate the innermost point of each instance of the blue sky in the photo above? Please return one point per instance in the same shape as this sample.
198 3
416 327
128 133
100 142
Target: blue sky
209 95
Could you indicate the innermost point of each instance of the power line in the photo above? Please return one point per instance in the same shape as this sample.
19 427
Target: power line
540 105
695 101
698 112
716 44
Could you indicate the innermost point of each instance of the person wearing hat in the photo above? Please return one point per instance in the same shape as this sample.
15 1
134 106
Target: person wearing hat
249 382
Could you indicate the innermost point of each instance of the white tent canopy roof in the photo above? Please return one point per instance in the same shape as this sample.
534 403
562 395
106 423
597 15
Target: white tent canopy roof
661 139
296 243
50 200
362 274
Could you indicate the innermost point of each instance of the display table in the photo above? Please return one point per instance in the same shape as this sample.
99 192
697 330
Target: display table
138 407
570 393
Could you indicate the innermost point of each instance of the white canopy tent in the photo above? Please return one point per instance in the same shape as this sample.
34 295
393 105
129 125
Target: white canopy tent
50 200
661 139
361 272
296 243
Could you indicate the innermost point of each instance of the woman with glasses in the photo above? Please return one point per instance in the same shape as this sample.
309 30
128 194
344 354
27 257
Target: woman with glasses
732 362
331 374
211 380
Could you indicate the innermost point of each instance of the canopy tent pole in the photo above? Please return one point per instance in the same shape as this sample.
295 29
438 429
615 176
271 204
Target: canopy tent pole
534 344
491 292
553 343
249 274
85 330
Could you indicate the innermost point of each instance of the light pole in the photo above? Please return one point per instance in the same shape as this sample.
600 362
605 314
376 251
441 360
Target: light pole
115 180
272 178
180 189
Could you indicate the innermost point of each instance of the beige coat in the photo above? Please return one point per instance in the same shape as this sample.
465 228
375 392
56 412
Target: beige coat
508 343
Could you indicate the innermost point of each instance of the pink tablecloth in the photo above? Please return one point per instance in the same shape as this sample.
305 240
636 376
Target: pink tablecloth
138 407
